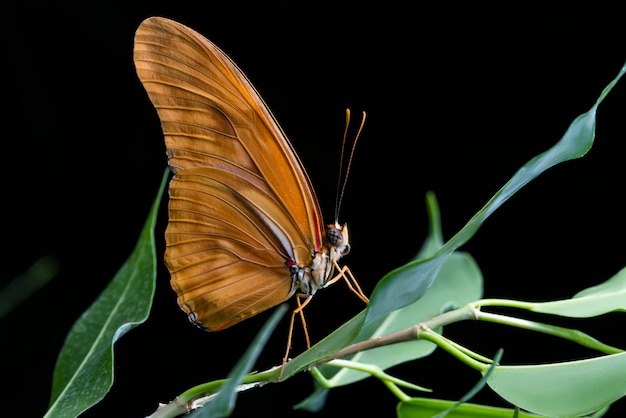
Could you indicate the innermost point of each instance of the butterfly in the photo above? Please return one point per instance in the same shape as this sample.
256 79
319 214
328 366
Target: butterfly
245 231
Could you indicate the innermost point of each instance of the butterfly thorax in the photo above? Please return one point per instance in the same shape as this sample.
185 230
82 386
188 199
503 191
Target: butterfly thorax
309 279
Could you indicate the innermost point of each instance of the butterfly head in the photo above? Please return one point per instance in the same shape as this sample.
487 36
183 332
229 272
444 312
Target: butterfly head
338 240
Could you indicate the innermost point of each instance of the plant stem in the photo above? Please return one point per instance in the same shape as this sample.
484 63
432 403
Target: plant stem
407 334
392 383
504 303
466 356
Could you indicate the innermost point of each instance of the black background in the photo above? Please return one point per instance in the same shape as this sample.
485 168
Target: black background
459 95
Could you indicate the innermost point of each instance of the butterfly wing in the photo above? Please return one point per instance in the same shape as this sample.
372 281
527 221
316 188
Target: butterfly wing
241 206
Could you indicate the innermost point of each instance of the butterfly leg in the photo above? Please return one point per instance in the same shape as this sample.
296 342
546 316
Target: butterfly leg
298 311
351 282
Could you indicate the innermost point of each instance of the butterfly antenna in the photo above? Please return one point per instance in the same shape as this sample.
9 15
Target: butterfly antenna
341 183
341 159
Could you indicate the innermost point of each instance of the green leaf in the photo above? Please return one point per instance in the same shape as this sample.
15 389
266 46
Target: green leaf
607 297
428 408
224 402
563 389
408 283
84 369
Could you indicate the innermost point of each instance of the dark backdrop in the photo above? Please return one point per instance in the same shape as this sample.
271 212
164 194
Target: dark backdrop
459 95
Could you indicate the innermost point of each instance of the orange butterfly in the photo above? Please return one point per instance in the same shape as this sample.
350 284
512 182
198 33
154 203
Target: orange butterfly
245 231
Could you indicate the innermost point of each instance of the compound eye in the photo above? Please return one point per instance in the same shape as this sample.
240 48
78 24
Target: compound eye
334 237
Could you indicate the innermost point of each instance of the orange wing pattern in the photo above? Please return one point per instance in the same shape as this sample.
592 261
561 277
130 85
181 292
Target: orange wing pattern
242 208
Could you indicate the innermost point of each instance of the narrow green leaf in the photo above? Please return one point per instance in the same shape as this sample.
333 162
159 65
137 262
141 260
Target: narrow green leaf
434 239
408 283
563 389
84 369
607 297
27 283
